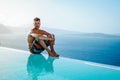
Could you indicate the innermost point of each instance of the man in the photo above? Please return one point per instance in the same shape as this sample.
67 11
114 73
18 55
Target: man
39 40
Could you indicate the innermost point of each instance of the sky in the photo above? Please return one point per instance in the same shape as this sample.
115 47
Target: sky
100 16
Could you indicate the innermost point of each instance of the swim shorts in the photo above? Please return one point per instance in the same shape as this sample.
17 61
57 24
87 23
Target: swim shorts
36 47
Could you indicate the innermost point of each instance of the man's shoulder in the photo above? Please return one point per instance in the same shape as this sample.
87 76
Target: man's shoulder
42 30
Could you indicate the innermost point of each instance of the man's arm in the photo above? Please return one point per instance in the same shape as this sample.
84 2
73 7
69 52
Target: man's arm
40 36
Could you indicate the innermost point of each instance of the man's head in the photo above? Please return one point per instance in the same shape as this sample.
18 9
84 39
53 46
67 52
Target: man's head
37 22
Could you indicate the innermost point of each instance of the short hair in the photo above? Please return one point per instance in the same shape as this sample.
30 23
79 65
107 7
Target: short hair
36 19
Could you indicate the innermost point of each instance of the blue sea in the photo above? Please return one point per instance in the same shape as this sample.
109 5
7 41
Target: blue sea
99 49
104 50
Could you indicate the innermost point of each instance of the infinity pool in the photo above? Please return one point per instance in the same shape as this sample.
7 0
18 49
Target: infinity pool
21 65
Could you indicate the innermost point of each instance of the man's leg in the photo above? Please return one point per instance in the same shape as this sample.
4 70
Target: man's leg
45 47
52 43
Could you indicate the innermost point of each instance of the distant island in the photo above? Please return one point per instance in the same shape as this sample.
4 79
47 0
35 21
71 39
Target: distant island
4 29
24 30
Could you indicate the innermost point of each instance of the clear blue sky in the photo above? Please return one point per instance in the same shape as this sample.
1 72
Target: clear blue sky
78 15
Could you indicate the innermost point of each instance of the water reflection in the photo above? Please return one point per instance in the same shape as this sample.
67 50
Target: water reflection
38 65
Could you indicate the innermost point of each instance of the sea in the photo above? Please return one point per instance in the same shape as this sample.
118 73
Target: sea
102 49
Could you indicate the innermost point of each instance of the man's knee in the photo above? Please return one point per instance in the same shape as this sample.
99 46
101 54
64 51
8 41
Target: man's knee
49 36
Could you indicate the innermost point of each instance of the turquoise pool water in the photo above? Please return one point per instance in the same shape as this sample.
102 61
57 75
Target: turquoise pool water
21 65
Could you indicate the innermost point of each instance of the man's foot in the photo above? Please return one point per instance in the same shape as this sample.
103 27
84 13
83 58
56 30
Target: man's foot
52 54
57 55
